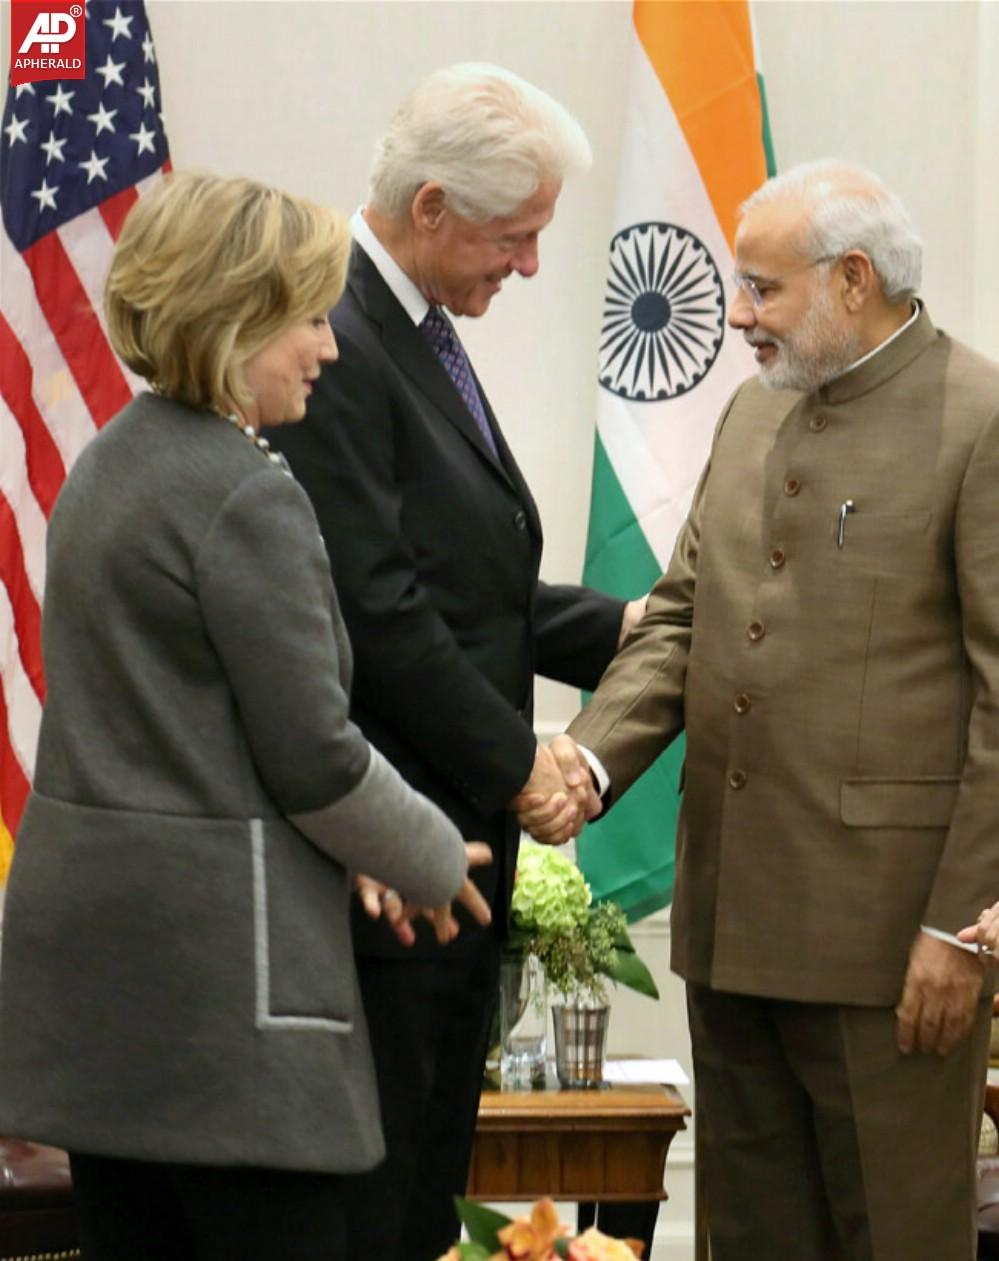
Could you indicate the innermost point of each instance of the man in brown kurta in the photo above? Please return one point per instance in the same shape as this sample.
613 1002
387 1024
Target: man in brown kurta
827 634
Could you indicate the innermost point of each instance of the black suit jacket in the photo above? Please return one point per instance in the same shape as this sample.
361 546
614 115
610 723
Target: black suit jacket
435 548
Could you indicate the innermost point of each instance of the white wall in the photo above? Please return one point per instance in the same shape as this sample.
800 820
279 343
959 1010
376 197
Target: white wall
295 92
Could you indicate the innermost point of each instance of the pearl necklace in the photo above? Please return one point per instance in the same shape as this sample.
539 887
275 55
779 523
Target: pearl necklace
262 445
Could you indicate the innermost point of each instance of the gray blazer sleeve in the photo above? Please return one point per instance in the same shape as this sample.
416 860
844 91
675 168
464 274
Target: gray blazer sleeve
270 610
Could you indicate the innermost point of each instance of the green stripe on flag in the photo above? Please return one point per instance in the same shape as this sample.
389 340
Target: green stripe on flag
629 856
768 140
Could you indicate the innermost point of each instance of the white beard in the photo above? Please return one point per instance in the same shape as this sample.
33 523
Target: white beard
814 354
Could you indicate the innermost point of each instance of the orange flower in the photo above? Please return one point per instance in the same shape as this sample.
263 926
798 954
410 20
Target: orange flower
592 1245
532 1239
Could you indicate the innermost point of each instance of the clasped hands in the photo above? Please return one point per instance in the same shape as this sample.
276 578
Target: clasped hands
560 795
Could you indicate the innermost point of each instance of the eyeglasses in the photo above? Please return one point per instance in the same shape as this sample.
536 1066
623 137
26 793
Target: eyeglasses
759 290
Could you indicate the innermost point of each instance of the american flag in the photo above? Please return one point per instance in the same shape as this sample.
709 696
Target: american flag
76 155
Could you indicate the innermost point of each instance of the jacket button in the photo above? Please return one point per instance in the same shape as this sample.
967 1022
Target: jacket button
755 631
742 704
791 487
817 424
777 558
737 779
520 519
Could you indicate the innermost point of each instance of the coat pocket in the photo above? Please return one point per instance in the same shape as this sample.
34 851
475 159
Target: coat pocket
926 802
303 957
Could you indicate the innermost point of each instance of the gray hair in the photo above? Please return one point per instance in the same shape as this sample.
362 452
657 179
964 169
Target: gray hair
488 137
849 208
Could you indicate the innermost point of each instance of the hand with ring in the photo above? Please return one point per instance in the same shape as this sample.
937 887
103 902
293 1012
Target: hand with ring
985 932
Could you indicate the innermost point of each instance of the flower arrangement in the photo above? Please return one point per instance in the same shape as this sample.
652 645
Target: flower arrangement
578 943
493 1236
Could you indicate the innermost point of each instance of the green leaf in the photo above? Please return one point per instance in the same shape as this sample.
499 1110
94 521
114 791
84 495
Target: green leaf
629 970
562 1246
481 1222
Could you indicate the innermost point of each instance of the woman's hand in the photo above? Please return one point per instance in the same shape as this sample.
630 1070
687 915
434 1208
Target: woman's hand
381 902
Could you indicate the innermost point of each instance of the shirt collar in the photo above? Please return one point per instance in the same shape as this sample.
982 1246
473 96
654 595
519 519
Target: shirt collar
916 308
403 290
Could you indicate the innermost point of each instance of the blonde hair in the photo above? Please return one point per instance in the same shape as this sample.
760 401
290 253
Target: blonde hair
487 136
207 271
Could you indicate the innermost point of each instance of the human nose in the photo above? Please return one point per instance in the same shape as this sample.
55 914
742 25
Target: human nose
741 312
329 351
526 261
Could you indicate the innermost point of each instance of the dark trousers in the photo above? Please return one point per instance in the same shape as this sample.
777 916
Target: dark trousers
131 1210
820 1141
429 1024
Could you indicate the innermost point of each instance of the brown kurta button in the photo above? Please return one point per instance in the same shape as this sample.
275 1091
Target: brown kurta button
777 558
791 487
755 631
742 703
737 779
817 424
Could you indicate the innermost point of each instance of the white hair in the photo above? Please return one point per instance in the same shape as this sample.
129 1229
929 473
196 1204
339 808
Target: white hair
849 208
488 137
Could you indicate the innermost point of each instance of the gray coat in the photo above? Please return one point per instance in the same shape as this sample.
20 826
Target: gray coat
177 980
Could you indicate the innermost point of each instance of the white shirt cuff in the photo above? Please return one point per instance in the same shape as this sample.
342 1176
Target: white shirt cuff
597 767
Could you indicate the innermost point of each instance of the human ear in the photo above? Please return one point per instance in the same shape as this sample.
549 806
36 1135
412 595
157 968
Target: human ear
428 207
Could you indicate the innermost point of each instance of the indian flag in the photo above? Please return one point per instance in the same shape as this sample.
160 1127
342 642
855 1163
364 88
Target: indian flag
696 144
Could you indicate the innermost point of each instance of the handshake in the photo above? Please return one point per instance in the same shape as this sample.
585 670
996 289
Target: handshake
560 795
558 798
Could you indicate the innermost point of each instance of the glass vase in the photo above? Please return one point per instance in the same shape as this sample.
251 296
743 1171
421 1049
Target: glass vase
523 1022
580 1044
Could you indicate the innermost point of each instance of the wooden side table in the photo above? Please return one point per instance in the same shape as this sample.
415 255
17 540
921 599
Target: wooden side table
603 1145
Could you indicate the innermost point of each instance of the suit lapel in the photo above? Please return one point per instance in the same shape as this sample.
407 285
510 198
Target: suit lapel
411 352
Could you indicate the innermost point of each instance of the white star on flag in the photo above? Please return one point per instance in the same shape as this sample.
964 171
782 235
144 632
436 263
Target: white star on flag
144 139
23 87
15 130
148 51
94 166
52 148
60 100
46 196
111 70
119 24
148 93
102 119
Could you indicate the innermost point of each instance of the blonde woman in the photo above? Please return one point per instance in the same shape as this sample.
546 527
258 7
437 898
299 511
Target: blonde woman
178 1002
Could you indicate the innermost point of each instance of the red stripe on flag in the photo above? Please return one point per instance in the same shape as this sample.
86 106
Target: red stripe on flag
45 466
76 328
27 615
115 210
14 786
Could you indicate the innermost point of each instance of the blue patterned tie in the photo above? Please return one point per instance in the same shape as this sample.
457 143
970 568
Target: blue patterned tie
439 332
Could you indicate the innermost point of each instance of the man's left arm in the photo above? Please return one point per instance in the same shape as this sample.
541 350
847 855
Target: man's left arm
943 983
576 633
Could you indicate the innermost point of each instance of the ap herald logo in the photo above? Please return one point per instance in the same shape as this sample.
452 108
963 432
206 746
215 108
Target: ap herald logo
48 40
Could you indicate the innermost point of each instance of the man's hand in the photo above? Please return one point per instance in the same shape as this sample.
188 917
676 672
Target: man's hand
547 819
381 902
942 987
985 932
634 611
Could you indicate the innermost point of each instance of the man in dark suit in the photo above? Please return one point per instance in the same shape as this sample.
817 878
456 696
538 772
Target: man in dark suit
435 545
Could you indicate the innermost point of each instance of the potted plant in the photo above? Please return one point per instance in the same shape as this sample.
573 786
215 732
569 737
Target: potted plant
581 945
